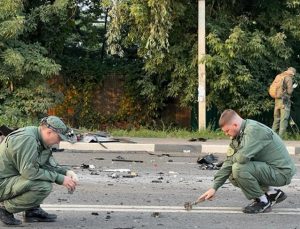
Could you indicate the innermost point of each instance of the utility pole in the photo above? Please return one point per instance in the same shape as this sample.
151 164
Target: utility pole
201 67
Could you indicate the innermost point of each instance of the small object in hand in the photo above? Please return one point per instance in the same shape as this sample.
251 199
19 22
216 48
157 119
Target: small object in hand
188 206
71 191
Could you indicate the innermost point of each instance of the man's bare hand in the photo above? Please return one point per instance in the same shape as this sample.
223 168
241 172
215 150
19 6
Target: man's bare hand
208 195
73 175
69 183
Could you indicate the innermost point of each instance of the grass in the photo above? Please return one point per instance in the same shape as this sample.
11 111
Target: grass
172 133
180 133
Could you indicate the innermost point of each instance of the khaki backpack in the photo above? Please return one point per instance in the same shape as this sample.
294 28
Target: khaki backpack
276 89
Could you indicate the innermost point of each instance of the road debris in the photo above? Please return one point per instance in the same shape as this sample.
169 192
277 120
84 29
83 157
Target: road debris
198 139
156 181
124 173
118 170
85 166
155 214
126 160
124 227
209 162
189 205
186 151
114 175
99 158
130 175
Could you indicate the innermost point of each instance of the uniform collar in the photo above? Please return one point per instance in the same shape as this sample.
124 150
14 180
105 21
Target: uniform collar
41 139
241 133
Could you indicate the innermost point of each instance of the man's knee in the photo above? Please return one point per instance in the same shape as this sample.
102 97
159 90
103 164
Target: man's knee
42 187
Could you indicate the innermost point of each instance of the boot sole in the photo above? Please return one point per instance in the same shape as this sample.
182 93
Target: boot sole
35 219
266 210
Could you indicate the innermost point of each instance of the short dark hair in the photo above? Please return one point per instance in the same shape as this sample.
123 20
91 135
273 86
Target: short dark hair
226 117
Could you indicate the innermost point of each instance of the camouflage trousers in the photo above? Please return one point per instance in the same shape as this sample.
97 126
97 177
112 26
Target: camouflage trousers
282 113
255 177
19 194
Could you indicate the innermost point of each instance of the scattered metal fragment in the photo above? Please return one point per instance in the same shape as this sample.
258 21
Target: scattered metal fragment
208 159
130 175
155 214
118 170
160 155
94 173
95 213
124 227
198 139
126 160
156 181
209 162
114 175
85 166
189 205
99 158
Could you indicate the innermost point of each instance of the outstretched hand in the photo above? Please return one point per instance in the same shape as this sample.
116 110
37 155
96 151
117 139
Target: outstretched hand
208 195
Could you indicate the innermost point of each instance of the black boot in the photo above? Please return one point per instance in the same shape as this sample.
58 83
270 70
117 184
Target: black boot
8 218
37 214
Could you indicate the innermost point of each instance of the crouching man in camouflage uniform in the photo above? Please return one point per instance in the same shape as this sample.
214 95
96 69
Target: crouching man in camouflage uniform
257 161
28 169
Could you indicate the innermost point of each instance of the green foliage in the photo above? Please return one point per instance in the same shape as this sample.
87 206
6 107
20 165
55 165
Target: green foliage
27 104
248 43
25 64
236 69
163 35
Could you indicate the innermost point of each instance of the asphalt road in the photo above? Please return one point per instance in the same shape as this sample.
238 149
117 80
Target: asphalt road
155 198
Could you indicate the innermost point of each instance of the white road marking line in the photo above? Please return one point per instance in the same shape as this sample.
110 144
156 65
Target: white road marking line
166 209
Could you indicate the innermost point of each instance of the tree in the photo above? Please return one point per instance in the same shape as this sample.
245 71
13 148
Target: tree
25 64
165 41
248 43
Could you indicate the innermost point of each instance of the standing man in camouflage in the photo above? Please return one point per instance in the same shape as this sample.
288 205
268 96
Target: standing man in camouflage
257 162
28 169
282 109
